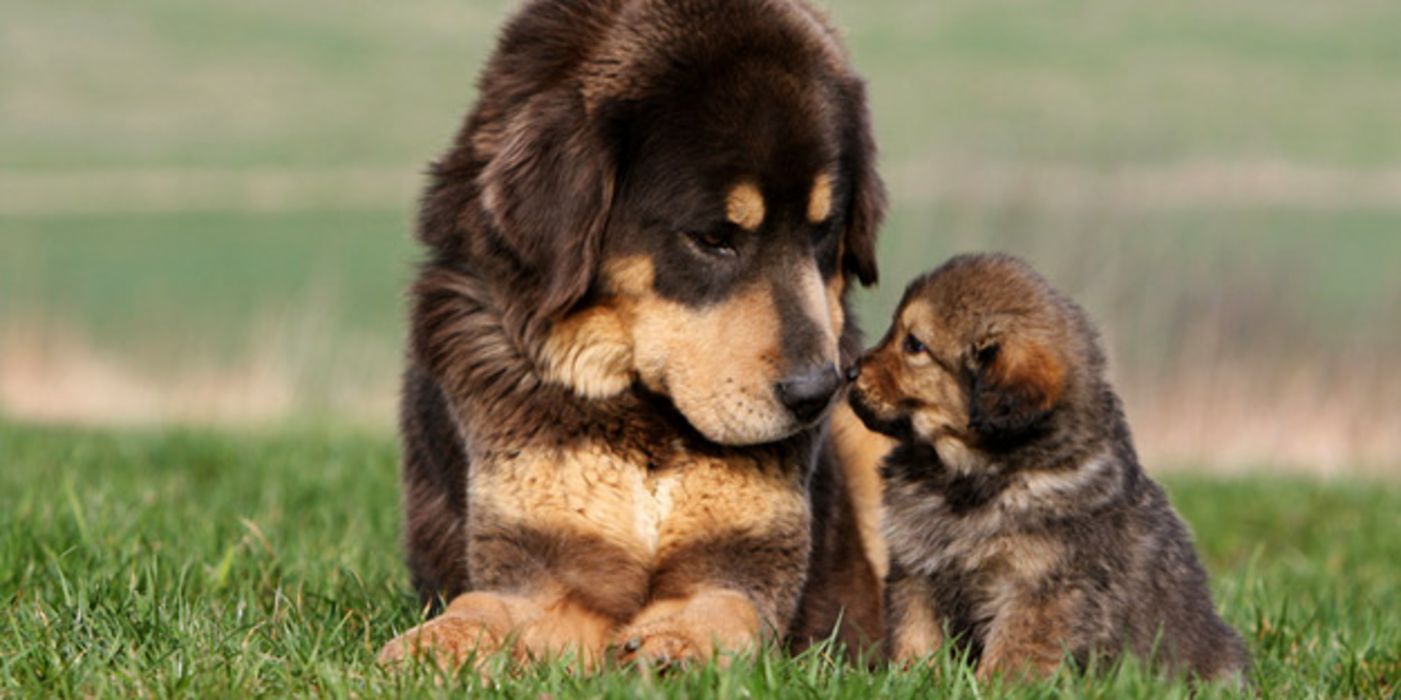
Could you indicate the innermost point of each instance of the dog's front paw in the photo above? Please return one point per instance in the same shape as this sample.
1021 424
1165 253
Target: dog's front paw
711 626
473 629
662 648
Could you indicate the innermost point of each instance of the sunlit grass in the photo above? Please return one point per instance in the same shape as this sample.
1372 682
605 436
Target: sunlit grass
207 564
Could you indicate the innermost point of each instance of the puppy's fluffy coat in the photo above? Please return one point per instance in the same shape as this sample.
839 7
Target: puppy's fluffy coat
1018 517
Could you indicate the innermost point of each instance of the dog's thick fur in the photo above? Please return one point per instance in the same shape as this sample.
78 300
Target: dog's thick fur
627 334
1018 517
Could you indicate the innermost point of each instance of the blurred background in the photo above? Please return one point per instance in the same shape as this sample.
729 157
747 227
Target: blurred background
205 207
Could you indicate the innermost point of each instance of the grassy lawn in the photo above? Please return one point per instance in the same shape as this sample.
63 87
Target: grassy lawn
212 564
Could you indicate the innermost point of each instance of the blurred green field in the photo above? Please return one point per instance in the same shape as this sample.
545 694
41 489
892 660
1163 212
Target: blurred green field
319 83
174 173
208 277
191 563
312 119
199 197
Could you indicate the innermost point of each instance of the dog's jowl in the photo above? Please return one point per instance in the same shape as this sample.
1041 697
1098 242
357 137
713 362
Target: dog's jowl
626 340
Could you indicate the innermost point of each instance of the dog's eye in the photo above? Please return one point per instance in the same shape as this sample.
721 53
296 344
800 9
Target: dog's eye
912 345
713 242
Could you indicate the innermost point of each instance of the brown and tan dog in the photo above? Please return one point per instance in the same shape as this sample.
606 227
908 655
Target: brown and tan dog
1017 516
626 340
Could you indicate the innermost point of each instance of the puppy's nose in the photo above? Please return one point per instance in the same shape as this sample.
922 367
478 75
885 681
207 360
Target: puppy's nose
808 392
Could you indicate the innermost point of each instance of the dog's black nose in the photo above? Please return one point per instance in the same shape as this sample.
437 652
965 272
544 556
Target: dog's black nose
808 392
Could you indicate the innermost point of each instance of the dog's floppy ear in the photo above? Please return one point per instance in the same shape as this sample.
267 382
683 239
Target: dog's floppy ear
1016 385
867 192
548 191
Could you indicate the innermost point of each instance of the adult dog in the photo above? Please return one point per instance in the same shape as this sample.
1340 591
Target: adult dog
628 334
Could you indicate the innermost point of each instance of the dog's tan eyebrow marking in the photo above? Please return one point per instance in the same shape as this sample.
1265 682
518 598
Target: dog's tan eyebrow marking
745 206
820 201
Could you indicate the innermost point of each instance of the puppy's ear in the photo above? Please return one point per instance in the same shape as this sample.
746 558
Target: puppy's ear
1016 385
867 192
548 191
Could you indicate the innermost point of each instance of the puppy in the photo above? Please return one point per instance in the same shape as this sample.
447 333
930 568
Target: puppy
1018 518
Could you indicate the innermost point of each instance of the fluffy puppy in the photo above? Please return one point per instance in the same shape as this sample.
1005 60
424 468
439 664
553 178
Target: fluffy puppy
1018 518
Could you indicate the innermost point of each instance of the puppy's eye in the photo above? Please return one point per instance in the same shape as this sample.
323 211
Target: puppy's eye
713 242
912 345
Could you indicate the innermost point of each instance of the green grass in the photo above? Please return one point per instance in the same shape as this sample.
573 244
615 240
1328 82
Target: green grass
202 564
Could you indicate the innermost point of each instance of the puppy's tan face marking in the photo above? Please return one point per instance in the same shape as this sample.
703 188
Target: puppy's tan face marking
744 206
912 376
820 200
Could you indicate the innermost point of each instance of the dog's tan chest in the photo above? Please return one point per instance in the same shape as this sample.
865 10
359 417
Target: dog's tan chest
584 492
596 493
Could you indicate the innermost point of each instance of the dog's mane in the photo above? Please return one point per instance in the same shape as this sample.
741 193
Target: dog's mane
470 340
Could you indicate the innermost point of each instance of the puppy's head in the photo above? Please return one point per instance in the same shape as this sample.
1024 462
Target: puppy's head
982 357
704 174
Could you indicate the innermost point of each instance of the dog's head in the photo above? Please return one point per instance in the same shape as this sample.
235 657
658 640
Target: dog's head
982 355
691 186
